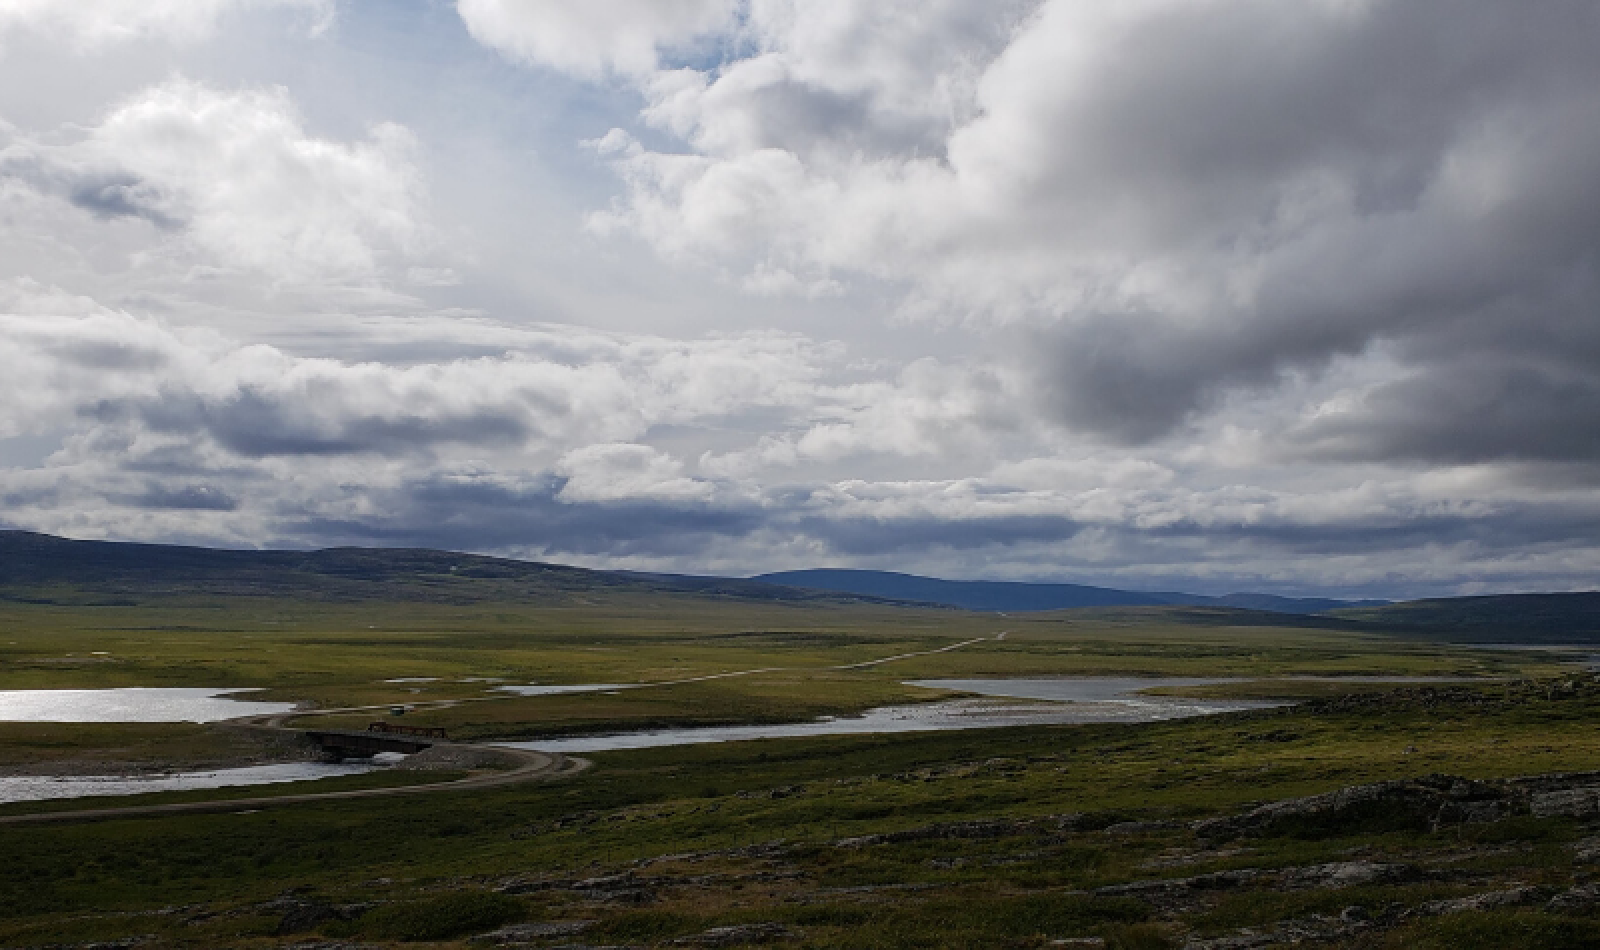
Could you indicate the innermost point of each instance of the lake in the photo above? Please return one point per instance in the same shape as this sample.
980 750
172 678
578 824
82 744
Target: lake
131 704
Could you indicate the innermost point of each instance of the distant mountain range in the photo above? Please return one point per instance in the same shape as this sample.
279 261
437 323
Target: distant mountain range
1007 596
41 569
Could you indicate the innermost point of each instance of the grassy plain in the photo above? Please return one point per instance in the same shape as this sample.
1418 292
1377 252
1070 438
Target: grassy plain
661 845
333 655
655 846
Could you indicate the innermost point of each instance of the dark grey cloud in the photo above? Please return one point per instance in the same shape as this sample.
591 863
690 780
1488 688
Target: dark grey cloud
257 424
477 514
122 195
1469 412
103 190
1437 163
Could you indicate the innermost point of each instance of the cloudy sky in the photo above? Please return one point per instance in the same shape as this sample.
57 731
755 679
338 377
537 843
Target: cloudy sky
1185 294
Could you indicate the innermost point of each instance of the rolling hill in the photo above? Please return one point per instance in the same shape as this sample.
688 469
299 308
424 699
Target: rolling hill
1510 618
41 568
1006 596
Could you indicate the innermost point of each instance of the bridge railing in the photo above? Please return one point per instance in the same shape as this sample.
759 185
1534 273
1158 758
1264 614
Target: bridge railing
389 728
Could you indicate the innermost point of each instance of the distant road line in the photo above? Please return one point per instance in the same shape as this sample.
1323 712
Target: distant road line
904 656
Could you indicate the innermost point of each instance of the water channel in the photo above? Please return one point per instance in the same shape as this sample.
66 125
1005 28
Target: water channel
1022 702
1003 702
35 788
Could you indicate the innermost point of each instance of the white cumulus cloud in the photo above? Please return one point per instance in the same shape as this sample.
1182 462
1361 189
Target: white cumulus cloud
235 182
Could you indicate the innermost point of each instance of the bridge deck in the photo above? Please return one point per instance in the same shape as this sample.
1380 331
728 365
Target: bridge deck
363 744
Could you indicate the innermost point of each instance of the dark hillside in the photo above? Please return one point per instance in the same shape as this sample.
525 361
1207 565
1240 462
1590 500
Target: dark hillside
1502 618
42 568
1020 596
971 595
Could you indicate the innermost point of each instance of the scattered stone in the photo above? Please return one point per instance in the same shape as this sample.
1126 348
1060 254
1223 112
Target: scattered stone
782 791
1430 802
1566 803
1587 851
1582 897
1138 827
1486 901
1220 880
1315 927
624 888
1244 941
737 934
519 934
300 916
1346 874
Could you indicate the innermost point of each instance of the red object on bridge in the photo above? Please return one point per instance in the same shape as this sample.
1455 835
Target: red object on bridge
389 727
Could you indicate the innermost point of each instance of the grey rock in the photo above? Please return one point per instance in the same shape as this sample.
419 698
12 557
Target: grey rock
1488 900
1578 898
1566 803
1220 880
519 934
1137 827
737 934
1346 874
1433 800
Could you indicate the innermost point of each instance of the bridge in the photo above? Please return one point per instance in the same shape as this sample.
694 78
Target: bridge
379 737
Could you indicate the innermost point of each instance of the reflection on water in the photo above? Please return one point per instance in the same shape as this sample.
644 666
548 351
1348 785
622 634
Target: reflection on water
130 704
34 788
1082 700
1079 689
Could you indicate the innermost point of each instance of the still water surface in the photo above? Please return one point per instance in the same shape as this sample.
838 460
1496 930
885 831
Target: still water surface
36 788
1043 702
130 704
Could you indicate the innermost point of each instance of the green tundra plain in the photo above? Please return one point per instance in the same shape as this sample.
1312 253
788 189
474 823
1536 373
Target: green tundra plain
1018 837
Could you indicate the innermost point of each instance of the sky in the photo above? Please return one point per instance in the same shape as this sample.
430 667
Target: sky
1202 295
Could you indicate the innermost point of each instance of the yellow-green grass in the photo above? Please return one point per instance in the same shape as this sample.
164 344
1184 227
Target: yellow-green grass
341 655
81 883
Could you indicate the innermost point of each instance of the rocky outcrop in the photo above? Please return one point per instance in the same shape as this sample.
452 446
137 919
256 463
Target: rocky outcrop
1489 900
518 935
1424 803
738 935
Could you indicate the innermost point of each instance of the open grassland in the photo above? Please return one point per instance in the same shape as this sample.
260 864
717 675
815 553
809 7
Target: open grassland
1004 838
332 656
335 655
